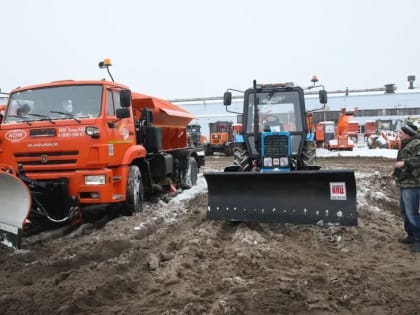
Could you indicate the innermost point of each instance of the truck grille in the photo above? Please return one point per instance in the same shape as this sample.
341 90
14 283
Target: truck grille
49 158
276 145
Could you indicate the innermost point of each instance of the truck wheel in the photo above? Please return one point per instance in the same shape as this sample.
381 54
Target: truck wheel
228 149
135 191
190 176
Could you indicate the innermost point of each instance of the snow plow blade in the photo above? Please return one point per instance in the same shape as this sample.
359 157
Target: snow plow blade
325 197
15 205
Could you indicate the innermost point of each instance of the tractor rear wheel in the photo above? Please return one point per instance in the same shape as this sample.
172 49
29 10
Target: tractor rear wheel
135 191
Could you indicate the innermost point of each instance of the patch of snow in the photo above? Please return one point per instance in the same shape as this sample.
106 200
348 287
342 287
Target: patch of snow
192 192
359 151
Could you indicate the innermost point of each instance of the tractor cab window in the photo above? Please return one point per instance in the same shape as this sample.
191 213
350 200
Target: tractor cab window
53 103
277 111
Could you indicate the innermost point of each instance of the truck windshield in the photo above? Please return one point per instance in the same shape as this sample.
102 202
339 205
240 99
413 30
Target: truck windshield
277 111
51 103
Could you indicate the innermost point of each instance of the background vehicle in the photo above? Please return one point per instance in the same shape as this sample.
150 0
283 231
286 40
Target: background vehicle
220 138
342 139
325 131
194 136
412 120
369 129
88 146
197 140
273 178
386 135
354 130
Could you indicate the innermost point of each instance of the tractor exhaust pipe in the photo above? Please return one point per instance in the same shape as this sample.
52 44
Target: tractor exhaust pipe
15 205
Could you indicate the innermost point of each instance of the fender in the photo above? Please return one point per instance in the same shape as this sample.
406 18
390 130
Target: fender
132 153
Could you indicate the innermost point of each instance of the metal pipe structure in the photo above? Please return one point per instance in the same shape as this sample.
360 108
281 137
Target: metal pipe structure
218 98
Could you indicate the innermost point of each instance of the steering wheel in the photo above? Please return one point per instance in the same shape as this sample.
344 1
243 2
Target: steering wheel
270 120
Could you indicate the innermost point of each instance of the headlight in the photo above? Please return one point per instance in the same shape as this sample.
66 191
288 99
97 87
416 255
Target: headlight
268 162
95 180
284 162
92 131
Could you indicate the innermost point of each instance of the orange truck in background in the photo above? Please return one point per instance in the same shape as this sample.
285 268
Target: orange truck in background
324 132
354 130
78 146
342 140
220 138
370 129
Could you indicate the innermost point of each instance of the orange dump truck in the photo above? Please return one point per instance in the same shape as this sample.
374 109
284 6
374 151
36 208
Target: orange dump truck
69 147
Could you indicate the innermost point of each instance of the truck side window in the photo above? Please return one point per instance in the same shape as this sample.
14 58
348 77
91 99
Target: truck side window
117 99
110 105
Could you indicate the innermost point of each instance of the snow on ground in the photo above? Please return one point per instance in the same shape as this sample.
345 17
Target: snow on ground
192 192
359 151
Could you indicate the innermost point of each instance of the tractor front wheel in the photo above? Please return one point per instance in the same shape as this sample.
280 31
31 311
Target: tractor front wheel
241 158
308 153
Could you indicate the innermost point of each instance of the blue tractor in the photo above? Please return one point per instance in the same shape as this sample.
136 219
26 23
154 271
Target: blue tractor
273 177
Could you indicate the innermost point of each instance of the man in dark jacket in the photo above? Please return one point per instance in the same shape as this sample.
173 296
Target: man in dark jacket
407 178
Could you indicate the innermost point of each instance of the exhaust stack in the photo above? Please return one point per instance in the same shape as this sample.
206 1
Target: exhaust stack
411 79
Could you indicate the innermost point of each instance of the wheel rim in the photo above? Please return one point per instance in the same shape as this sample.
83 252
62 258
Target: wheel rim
136 190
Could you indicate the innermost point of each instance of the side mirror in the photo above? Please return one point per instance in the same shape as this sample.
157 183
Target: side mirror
125 98
123 112
323 99
227 98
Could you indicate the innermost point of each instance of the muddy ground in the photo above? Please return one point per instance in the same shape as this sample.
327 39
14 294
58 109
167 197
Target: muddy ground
171 259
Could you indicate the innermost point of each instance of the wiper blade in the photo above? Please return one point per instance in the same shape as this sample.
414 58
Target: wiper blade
43 116
66 114
24 118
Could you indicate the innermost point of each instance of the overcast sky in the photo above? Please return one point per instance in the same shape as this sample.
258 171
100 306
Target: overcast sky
192 48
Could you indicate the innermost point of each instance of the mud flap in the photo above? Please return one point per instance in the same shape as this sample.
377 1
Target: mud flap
326 197
15 204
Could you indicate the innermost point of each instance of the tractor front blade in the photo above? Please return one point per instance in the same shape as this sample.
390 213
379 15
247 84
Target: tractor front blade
326 197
